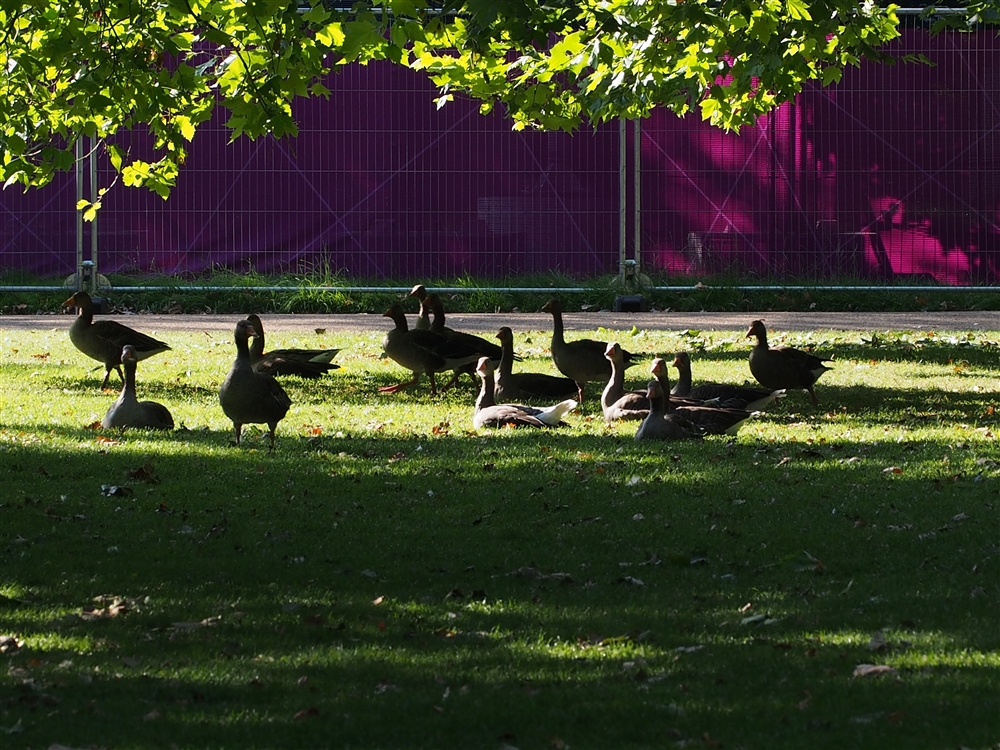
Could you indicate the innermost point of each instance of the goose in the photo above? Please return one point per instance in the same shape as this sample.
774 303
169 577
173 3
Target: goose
128 411
661 424
581 360
423 322
511 386
103 340
306 363
722 394
783 366
710 420
488 413
421 352
616 403
483 347
248 396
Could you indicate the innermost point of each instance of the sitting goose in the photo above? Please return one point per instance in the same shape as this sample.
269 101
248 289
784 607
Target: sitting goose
306 363
489 413
511 386
783 366
722 394
710 420
421 352
423 322
615 402
662 424
248 396
128 411
581 360
104 339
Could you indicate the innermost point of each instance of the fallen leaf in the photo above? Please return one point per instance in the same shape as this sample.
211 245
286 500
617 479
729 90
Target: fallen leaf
306 713
874 670
113 490
878 642
9 644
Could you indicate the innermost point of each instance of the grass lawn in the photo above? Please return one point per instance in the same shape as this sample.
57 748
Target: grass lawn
387 578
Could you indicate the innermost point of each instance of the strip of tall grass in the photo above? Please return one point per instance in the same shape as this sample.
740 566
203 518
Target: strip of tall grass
310 292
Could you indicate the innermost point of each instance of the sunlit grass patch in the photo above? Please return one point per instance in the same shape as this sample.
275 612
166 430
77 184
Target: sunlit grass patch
509 588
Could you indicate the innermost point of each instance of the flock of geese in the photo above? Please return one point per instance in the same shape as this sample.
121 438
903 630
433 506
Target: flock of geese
251 393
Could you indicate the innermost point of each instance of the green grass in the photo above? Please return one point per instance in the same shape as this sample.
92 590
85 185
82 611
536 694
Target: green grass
239 292
387 578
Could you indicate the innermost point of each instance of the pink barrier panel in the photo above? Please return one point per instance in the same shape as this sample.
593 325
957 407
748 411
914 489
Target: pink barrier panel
892 174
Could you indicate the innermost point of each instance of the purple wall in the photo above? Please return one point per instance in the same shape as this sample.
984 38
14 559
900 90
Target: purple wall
893 173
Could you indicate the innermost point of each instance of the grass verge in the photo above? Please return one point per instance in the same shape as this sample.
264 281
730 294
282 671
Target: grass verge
389 579
311 293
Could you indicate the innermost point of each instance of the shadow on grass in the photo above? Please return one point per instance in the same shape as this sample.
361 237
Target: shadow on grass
391 591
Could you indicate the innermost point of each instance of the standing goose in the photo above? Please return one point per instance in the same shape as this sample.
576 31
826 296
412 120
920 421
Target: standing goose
616 403
421 352
662 424
710 420
482 346
581 360
104 339
512 386
248 396
723 394
128 411
306 363
423 322
489 413
783 366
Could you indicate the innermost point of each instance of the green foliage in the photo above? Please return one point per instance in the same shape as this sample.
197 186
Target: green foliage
528 589
90 69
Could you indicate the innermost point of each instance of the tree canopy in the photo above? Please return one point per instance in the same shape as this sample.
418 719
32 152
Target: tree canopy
91 68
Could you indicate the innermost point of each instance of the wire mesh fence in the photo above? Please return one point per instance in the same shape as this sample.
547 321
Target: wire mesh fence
891 176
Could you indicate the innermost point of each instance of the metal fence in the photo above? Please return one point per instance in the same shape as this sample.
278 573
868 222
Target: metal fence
891 176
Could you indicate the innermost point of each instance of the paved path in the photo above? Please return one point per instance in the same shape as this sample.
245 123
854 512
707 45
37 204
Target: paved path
490 322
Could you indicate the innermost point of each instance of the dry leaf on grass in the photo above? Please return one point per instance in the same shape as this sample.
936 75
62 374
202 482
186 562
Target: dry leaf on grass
874 670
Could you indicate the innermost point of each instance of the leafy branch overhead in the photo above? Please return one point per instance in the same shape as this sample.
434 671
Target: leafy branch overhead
93 68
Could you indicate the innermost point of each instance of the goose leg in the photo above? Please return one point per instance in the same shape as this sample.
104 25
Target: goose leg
400 386
238 428
107 375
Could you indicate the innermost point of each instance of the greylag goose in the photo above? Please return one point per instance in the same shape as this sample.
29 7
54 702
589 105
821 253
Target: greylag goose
128 411
306 363
511 386
489 413
721 394
661 424
481 346
421 352
104 339
581 360
248 396
710 420
616 403
423 322
783 366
